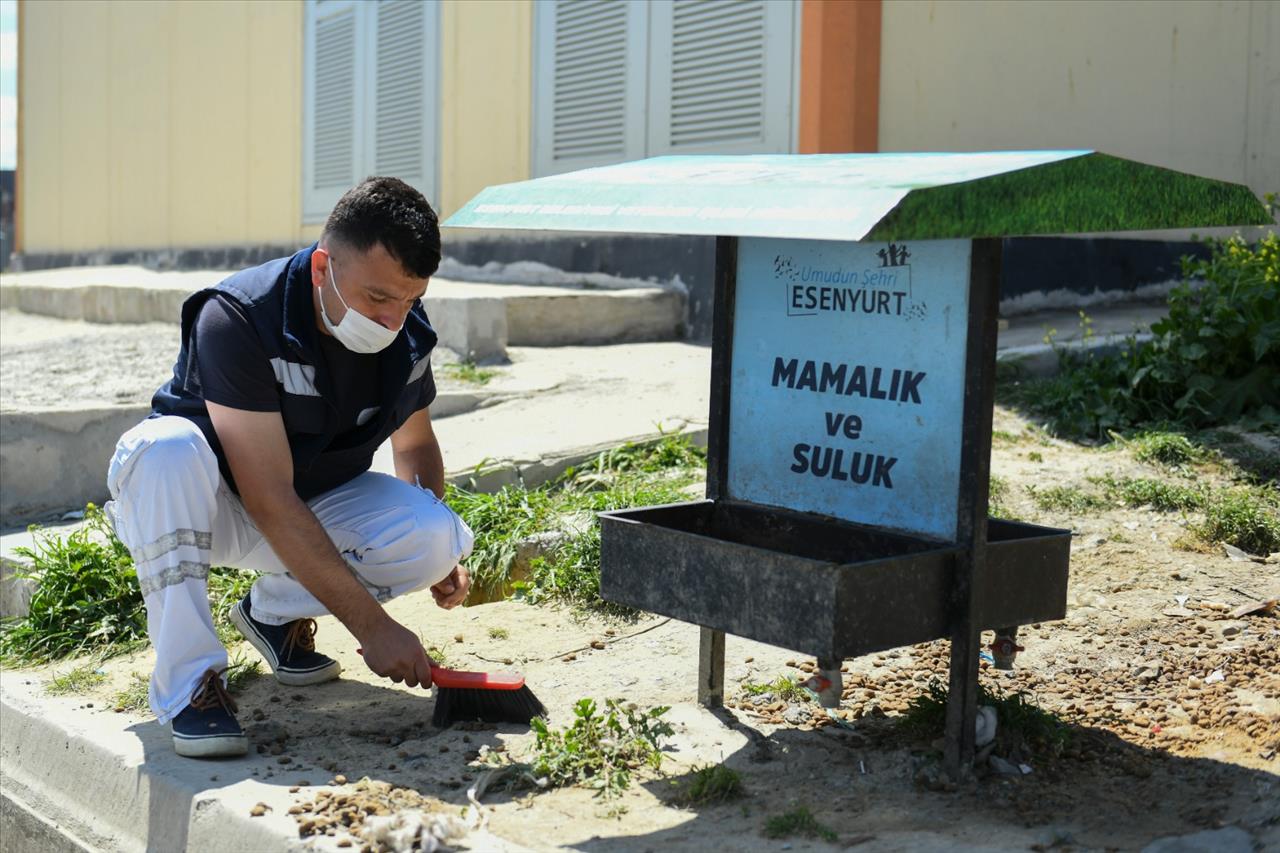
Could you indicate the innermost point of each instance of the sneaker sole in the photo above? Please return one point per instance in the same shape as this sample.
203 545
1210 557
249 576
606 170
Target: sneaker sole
220 746
290 677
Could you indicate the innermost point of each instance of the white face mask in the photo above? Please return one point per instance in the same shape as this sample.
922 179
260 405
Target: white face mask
356 332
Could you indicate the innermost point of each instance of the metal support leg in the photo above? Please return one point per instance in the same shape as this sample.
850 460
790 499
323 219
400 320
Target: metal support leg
710 668
962 701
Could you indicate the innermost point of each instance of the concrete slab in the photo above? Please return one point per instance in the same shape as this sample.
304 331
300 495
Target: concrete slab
593 396
474 319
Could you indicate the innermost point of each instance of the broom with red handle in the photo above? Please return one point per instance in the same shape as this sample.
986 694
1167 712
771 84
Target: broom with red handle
494 697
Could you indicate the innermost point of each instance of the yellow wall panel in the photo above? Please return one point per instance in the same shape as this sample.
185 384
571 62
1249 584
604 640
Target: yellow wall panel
41 130
1162 82
485 96
274 172
85 119
138 143
209 134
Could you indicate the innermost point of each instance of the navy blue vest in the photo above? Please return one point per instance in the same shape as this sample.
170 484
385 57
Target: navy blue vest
277 297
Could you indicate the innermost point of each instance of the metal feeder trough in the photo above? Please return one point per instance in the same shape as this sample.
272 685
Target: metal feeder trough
852 377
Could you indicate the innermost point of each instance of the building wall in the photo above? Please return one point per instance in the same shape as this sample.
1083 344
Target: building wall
156 125
1193 86
486 96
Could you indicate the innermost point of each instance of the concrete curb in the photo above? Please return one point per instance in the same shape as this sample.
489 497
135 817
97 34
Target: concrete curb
476 320
56 459
103 791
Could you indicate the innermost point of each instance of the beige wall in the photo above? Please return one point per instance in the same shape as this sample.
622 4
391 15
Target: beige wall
151 125
1185 84
486 92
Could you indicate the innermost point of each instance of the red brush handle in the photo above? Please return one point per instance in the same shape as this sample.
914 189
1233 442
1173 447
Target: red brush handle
444 677
476 680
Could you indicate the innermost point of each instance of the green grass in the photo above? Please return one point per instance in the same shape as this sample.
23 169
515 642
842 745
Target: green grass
1160 495
226 587
798 821
1092 193
86 599
1070 499
467 371
711 784
632 475
1248 518
997 497
1024 729
133 698
1168 449
784 687
76 681
499 633
1035 456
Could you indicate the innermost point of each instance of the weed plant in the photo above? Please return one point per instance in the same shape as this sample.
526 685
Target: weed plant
1070 499
710 785
1248 518
132 699
86 599
798 821
1167 449
632 475
76 681
1214 359
997 497
783 687
599 750
1023 730
467 371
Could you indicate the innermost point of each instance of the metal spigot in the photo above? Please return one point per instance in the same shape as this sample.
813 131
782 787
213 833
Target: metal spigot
827 683
1005 648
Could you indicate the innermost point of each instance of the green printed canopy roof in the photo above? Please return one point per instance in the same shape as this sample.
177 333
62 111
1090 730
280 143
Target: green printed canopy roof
867 197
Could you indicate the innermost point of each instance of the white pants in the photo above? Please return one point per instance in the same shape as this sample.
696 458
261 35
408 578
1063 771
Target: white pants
177 516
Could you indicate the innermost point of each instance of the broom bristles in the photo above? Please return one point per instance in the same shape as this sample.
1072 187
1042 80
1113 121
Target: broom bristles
459 704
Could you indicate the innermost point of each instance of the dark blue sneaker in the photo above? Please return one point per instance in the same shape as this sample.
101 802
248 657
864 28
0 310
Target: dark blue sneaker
207 728
290 649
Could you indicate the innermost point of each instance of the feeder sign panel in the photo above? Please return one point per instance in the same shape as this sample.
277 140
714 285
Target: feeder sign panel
847 390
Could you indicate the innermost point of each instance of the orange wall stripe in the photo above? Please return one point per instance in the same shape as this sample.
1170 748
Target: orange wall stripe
839 76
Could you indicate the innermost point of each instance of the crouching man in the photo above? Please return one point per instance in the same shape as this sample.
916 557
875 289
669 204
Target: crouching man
257 455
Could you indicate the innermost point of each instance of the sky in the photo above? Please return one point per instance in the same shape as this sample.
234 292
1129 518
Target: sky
8 84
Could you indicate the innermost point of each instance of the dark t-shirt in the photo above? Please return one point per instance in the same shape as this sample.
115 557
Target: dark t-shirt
234 371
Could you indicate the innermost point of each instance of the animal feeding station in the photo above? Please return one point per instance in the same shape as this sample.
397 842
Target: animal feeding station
852 380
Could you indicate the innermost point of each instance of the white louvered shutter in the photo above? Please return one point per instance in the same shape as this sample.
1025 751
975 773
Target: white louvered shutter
720 76
333 82
589 94
400 132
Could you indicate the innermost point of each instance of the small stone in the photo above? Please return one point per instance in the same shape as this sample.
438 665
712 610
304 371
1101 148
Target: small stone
339 779
344 842
295 809
597 644
457 638
569 657
748 660
293 789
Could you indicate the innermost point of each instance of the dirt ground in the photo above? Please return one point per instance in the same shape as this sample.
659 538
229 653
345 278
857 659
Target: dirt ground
1173 707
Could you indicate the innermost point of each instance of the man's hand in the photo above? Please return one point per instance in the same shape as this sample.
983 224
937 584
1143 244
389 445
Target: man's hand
395 652
451 591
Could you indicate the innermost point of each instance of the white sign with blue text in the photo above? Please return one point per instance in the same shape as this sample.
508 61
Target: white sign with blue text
847 390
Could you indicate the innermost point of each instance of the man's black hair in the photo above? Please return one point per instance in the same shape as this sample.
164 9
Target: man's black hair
388 211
